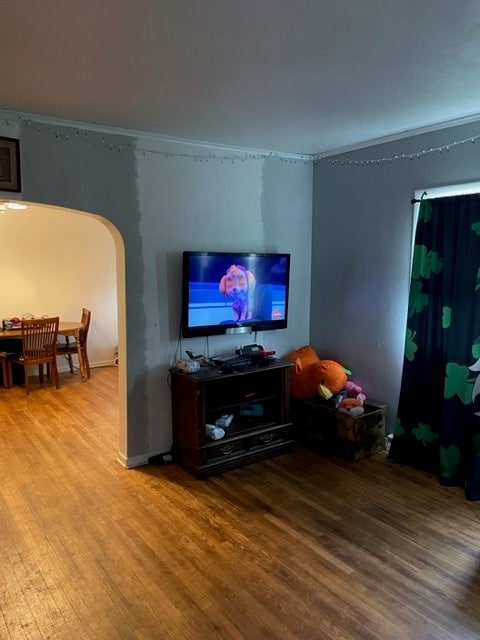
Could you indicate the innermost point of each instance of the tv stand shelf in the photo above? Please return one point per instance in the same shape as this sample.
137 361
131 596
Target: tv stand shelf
258 399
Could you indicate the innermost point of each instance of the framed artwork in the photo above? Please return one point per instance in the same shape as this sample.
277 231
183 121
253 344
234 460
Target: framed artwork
9 164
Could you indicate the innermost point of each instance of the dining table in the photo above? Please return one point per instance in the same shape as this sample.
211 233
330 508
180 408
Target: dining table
66 328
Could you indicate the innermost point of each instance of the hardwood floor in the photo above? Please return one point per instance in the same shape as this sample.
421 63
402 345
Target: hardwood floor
298 547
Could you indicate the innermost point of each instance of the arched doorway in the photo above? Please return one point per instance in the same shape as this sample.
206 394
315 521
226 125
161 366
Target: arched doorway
65 235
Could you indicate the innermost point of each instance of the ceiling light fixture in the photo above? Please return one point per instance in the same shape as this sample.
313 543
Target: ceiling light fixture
16 206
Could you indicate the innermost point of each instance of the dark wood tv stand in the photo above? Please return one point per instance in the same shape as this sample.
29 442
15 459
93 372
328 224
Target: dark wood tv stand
257 397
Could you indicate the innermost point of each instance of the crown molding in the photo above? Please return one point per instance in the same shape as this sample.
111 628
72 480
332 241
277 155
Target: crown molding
20 116
408 133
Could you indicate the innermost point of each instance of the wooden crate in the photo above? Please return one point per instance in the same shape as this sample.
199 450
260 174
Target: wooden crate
339 433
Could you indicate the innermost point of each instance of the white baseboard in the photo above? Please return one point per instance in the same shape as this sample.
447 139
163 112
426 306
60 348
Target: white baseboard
102 363
62 364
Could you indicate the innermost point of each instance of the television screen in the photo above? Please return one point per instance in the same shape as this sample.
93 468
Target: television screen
234 292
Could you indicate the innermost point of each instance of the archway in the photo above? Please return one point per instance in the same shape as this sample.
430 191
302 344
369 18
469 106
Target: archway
12 208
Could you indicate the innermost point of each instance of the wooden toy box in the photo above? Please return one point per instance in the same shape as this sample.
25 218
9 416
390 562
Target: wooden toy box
339 433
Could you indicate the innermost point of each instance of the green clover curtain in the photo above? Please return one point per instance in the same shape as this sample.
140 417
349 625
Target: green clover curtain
438 420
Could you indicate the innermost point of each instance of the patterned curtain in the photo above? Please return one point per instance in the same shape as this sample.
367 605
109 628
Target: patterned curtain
438 420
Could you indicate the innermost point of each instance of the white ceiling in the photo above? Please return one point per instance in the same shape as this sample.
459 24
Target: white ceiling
297 76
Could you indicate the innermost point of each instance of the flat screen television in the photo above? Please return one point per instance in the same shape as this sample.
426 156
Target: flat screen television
232 292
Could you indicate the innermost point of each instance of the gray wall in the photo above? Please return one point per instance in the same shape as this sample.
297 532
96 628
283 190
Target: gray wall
165 198
362 235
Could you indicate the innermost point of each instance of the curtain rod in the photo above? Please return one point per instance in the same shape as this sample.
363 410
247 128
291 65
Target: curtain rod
415 200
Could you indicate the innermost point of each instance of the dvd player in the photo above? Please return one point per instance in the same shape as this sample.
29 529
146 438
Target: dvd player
231 360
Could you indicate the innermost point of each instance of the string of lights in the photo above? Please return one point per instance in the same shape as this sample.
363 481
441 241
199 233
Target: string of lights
68 132
400 156
95 136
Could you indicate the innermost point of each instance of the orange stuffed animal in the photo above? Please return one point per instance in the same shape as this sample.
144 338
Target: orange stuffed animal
313 376
333 378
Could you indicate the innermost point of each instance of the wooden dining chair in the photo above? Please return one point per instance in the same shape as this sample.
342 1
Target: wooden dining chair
4 355
10 347
39 347
78 347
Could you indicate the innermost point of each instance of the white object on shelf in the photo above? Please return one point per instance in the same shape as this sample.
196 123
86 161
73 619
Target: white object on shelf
224 421
214 432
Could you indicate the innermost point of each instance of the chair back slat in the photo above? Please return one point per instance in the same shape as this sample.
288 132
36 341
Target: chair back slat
39 338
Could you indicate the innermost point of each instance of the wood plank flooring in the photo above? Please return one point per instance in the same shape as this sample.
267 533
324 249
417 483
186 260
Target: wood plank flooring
300 547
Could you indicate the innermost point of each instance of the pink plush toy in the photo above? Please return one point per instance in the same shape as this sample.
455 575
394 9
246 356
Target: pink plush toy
353 401
355 391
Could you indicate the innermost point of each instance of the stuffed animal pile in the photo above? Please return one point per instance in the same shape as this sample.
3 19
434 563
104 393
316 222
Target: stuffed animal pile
328 379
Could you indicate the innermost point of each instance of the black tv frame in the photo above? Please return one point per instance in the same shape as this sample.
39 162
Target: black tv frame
233 327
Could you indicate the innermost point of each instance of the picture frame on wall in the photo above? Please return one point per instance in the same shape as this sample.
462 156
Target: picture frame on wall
9 164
